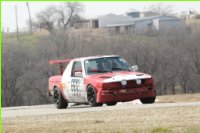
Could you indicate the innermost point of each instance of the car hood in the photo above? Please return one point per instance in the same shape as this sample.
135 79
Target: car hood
119 76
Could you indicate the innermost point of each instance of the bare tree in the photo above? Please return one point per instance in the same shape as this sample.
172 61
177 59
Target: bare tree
47 18
161 9
59 16
66 12
14 67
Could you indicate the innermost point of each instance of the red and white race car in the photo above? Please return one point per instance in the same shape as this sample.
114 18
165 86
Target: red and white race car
99 79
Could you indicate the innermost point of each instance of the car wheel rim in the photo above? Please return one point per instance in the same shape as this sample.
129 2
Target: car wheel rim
56 96
91 95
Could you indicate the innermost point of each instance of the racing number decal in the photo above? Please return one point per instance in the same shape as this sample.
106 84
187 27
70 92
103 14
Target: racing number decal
75 87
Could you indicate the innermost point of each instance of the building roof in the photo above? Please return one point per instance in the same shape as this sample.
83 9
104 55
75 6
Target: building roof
86 20
135 20
111 19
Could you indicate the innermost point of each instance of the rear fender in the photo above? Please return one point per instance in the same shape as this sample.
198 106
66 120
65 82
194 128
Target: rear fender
61 90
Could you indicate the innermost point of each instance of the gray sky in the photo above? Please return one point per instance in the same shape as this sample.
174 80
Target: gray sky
92 10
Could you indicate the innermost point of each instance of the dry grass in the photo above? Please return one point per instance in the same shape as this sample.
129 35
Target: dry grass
179 98
134 120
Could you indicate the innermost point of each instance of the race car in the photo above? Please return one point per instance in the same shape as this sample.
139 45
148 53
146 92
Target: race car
98 80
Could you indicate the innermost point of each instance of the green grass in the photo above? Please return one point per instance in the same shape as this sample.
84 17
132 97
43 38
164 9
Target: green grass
12 37
98 33
161 130
193 130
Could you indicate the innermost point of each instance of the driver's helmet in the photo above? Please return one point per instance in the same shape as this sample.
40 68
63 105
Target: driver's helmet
107 64
99 66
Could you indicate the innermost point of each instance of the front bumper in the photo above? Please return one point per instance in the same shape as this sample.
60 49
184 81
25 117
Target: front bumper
123 95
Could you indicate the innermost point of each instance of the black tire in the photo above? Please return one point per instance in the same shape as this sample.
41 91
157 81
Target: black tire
59 101
148 100
111 103
91 96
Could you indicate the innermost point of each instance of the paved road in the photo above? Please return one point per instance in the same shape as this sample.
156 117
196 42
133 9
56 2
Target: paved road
51 109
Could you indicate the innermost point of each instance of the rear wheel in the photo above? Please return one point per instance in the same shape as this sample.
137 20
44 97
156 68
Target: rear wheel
111 103
91 96
148 100
59 101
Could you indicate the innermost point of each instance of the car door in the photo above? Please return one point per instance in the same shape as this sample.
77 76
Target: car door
76 84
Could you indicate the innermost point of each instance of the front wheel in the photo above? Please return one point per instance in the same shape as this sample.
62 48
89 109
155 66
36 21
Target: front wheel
111 103
148 100
59 101
91 96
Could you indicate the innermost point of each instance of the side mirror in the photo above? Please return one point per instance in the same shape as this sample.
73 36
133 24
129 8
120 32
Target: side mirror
78 74
135 68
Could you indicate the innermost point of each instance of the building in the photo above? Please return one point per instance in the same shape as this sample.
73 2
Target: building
87 24
146 24
134 21
133 13
140 14
193 21
112 19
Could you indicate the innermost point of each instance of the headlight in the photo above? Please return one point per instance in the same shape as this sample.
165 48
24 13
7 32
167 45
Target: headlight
138 81
124 82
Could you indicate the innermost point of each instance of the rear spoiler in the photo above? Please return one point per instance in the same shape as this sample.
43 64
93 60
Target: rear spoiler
60 62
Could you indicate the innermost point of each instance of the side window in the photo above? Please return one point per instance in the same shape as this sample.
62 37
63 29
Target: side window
76 68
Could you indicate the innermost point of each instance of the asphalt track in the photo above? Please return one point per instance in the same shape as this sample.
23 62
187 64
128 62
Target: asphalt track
51 109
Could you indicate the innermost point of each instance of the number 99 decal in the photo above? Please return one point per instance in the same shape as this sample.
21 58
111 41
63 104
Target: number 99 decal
75 87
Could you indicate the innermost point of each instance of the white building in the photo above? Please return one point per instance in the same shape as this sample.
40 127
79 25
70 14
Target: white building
146 24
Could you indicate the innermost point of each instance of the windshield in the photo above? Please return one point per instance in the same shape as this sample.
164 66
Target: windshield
107 64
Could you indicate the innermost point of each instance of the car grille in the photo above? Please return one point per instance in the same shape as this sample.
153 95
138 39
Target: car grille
130 84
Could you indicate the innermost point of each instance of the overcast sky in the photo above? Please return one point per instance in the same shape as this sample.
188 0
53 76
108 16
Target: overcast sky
91 10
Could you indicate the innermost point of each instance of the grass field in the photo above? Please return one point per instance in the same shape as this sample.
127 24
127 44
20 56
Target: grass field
179 98
134 120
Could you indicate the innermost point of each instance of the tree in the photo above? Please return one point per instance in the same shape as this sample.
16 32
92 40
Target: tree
59 16
47 18
67 12
15 62
161 9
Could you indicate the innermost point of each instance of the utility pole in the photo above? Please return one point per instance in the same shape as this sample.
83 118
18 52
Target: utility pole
30 21
17 22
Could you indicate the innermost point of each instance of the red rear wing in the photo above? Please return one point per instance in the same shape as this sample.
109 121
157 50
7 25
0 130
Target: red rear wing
60 62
